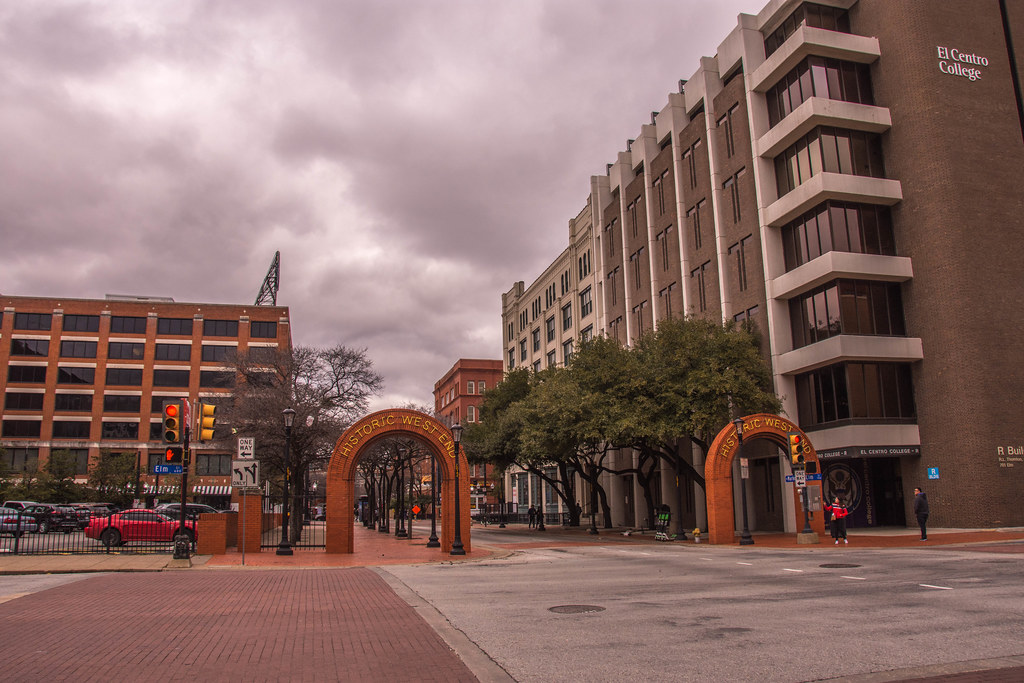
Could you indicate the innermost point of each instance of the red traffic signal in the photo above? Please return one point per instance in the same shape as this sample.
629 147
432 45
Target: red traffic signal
796 448
173 455
172 425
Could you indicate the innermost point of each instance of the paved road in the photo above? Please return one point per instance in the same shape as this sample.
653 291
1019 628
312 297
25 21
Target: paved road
723 613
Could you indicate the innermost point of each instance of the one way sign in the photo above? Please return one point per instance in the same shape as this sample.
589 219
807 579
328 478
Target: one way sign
245 473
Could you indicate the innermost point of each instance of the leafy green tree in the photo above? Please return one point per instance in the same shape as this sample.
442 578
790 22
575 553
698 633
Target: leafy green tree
113 477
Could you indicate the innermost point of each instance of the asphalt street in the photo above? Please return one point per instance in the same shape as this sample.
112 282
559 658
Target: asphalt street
690 613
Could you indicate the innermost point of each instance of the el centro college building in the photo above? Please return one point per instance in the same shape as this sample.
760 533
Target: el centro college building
844 175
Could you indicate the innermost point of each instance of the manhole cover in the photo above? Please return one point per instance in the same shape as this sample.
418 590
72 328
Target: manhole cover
575 609
838 566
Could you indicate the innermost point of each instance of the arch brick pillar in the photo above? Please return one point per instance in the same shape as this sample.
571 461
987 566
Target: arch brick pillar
718 473
395 423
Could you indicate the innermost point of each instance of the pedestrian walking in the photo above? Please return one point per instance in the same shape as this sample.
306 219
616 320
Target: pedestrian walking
838 519
532 513
921 512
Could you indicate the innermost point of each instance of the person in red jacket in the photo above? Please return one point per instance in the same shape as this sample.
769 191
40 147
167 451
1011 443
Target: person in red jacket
838 520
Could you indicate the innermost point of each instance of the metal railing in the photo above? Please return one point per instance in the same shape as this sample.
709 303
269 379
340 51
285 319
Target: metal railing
23 533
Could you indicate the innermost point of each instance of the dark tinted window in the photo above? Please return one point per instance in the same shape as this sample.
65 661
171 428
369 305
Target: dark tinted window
30 347
76 375
73 402
65 429
131 377
78 349
22 428
216 378
214 353
26 373
32 321
120 430
170 378
126 350
262 329
174 326
16 400
121 324
81 323
220 328
173 352
115 403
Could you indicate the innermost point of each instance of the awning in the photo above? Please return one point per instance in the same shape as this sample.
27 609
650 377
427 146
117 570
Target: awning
212 490
164 490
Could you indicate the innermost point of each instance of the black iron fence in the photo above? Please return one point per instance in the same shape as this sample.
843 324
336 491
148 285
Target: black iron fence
307 528
131 531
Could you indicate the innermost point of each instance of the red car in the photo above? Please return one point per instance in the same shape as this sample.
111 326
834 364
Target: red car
137 525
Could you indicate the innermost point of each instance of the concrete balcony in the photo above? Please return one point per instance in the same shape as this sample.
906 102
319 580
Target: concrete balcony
819 111
849 347
807 41
839 264
838 186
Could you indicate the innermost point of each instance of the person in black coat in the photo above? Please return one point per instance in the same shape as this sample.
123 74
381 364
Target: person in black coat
921 512
838 521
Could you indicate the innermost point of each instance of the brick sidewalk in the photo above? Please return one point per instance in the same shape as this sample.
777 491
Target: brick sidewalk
312 625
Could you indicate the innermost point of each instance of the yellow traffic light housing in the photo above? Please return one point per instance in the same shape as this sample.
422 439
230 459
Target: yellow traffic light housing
173 414
796 448
207 421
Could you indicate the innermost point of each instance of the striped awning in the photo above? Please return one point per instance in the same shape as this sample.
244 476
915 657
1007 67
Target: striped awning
164 490
212 490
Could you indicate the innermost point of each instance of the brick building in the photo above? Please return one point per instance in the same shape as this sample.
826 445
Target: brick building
87 375
843 175
457 397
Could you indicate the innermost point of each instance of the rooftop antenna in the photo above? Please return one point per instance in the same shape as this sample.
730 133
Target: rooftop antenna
268 292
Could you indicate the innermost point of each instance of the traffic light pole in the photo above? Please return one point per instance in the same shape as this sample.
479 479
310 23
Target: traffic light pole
181 544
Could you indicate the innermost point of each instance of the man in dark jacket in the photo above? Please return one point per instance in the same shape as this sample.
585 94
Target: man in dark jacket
921 511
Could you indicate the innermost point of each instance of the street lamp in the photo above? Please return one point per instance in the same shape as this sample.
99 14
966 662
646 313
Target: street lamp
457 548
285 548
745 538
400 499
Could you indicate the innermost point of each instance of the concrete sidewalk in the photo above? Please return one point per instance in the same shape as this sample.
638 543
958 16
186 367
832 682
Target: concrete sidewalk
376 549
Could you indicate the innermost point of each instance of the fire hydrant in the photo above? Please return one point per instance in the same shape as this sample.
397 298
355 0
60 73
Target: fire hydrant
696 535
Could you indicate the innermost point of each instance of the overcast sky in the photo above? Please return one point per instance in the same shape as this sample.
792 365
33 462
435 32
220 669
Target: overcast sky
411 160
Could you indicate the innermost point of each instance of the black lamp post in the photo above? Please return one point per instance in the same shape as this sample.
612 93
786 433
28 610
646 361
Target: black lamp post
285 548
745 538
400 502
540 507
432 542
457 548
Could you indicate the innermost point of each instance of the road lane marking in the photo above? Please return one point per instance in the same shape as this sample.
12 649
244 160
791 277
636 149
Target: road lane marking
749 564
855 578
941 588
799 571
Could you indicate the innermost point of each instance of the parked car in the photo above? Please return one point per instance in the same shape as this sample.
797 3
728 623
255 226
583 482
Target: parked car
83 513
15 523
192 510
137 525
98 509
19 504
52 517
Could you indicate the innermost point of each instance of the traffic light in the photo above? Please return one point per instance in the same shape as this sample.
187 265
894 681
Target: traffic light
172 455
173 421
796 448
206 421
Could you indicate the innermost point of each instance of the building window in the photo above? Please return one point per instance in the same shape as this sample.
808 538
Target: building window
667 297
216 378
613 289
638 318
747 316
470 414
819 77
77 349
121 324
173 352
216 354
535 337
22 429
262 329
67 429
32 321
631 216
213 464
584 264
130 377
659 192
693 216
566 317
16 400
511 358
80 456
613 328
665 247
738 256
586 303
610 237
866 392
26 374
732 188
838 226
549 328
699 277
126 350
522 350
552 361
30 347
119 403
69 375
847 307
220 328
725 124
120 430
815 16
73 403
22 459
174 326
511 331
636 266
482 386
690 159
566 352
81 323
828 150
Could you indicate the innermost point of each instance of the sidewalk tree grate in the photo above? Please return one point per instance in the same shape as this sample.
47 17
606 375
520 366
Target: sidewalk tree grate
838 565
575 609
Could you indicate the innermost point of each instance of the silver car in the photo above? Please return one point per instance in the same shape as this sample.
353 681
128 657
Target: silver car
15 523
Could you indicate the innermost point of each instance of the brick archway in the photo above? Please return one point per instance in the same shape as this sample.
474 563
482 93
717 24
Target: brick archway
401 423
718 472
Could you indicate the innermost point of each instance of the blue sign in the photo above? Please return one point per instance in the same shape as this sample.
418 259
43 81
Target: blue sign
790 478
166 469
814 477
933 472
